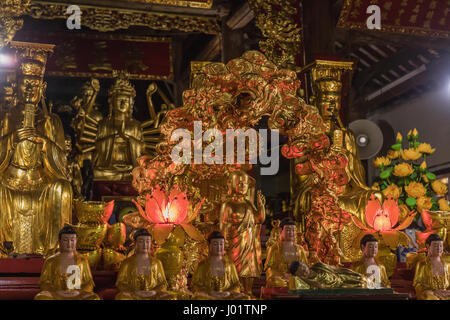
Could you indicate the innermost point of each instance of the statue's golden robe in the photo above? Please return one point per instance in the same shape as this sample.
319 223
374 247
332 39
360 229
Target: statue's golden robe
328 277
354 198
425 280
113 153
204 282
52 280
360 267
35 194
129 281
277 266
241 227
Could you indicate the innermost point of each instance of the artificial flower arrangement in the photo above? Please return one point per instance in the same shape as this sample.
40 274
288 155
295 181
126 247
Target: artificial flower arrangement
404 176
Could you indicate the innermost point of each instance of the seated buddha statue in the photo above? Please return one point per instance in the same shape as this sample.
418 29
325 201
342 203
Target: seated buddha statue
369 248
57 277
216 278
119 140
432 275
281 254
141 276
323 276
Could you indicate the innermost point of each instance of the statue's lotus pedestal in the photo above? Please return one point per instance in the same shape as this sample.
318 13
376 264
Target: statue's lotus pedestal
19 279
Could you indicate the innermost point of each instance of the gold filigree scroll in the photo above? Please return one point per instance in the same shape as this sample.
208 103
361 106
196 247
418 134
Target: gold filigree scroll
206 4
275 18
109 19
10 23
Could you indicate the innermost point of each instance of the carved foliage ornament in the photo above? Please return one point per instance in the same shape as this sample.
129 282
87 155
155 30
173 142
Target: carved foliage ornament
276 20
10 11
108 19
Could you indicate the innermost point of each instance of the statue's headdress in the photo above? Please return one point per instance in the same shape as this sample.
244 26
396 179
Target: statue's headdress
121 85
32 57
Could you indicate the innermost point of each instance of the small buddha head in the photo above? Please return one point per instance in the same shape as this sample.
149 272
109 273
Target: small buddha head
369 246
329 99
67 239
238 182
216 242
143 241
435 245
121 96
299 269
32 59
288 230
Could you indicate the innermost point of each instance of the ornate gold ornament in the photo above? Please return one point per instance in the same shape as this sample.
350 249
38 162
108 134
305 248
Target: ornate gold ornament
110 19
275 18
206 4
10 23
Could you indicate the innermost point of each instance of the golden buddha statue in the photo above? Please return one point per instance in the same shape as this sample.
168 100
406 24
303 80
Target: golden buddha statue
327 86
240 222
323 276
369 248
87 117
73 169
119 141
141 276
35 194
216 278
432 275
281 254
66 275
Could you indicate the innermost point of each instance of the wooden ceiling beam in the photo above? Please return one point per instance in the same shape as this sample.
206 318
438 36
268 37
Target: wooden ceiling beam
435 70
382 39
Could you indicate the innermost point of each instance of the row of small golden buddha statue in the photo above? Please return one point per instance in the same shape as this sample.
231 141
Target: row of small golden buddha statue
141 276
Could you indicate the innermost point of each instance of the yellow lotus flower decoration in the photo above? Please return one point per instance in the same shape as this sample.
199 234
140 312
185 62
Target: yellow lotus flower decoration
415 190
425 148
381 162
444 205
424 203
439 187
393 191
403 170
392 154
410 154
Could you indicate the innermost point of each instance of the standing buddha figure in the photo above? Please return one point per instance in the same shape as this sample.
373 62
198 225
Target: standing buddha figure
35 194
432 275
240 222
281 254
120 140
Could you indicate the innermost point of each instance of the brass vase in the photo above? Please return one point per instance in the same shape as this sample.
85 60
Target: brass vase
171 257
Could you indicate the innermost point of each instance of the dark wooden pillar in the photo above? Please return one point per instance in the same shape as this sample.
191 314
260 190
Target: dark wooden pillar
318 28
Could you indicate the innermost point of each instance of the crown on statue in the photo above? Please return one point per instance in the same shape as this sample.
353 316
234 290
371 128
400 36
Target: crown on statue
32 57
121 85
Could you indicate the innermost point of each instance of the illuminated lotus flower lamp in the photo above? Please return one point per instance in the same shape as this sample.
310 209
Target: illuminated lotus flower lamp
165 212
382 220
